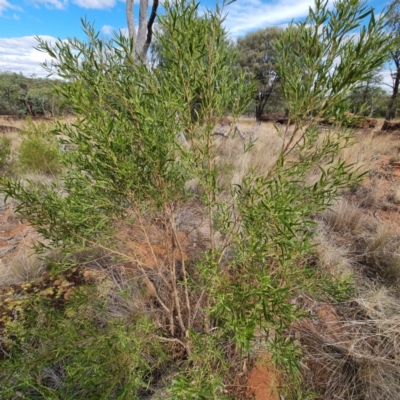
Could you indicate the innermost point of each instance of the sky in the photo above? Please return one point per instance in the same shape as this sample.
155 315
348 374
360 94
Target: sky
22 20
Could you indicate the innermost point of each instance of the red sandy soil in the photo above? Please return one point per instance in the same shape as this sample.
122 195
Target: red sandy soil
14 232
261 383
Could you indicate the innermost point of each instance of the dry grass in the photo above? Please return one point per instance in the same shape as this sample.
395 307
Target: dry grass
13 136
333 259
382 254
345 218
23 266
368 147
38 178
395 196
235 163
352 350
19 124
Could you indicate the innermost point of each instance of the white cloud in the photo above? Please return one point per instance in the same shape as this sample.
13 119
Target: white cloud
95 3
19 55
59 4
256 14
107 29
62 4
4 5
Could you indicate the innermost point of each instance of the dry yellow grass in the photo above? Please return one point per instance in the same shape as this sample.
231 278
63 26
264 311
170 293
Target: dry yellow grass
333 259
22 266
368 148
262 156
352 349
8 124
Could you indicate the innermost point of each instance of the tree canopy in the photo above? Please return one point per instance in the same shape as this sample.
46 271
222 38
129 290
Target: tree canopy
393 20
21 95
257 57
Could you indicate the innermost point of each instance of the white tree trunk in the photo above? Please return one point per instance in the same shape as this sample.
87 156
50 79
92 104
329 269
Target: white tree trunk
131 20
142 31
142 40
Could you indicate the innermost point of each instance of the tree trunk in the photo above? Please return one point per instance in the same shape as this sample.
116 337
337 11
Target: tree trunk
142 30
131 21
150 28
262 99
390 112
142 40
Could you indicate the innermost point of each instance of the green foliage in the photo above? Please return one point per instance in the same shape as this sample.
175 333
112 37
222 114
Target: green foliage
128 161
309 75
75 351
369 98
257 57
204 378
20 95
5 151
38 152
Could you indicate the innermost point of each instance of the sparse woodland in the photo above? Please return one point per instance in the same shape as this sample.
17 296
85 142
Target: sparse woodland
21 96
155 250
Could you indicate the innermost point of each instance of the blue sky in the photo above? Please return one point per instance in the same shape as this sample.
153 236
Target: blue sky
22 20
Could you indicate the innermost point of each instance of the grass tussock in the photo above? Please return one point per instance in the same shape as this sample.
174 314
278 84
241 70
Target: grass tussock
344 218
351 350
235 163
334 259
39 149
382 255
367 149
22 266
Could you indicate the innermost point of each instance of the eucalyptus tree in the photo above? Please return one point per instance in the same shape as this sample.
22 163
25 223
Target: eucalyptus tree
257 58
369 98
142 39
393 18
9 90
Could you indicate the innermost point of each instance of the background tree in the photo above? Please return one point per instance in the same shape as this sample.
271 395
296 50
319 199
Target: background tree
369 98
257 58
22 95
141 40
9 90
393 18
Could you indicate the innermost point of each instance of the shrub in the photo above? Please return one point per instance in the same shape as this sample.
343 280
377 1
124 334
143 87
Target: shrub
5 151
131 165
38 152
75 351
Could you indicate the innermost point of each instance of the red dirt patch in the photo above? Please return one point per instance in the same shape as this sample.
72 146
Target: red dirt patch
262 382
14 232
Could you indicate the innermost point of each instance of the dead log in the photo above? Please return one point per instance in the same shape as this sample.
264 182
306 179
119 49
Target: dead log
370 123
8 129
390 126
276 118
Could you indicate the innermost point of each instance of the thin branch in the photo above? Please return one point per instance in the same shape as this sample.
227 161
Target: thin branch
150 27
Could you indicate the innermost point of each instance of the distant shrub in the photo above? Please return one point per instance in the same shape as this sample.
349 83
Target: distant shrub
5 151
39 151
